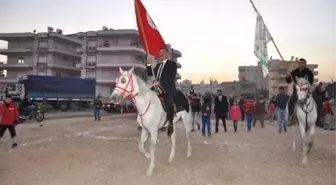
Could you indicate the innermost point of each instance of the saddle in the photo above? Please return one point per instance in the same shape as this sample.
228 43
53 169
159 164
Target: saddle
160 92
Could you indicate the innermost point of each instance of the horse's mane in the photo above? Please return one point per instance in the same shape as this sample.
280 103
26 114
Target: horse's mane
302 81
143 88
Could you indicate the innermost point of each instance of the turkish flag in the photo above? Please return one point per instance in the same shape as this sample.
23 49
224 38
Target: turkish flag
150 36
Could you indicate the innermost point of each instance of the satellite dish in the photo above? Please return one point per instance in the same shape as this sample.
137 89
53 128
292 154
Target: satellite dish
59 31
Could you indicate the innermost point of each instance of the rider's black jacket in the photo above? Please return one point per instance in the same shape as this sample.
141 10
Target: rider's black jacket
301 74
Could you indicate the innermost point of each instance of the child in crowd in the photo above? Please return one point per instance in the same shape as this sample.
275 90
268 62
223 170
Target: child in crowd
328 113
249 109
235 113
206 114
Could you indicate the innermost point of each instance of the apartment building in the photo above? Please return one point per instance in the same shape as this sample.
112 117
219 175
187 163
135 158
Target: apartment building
92 54
253 74
278 71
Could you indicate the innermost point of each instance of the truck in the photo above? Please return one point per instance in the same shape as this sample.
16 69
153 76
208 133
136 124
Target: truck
60 93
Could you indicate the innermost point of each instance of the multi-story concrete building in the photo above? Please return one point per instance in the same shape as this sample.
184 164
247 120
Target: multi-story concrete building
50 54
253 74
278 71
92 54
235 88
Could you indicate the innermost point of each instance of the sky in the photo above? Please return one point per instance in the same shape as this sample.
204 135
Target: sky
214 36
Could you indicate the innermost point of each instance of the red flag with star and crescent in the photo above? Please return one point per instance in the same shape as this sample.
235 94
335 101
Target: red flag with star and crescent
149 34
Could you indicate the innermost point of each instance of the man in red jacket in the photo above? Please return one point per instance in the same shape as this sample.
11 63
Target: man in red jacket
10 116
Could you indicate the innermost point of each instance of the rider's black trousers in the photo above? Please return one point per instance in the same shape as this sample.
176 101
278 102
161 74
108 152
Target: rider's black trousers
169 101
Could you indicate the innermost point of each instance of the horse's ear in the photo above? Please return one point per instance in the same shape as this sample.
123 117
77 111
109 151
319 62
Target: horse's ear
121 71
131 70
297 79
306 77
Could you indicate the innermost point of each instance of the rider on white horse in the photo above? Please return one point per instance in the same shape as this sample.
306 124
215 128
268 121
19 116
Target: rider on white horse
301 72
165 74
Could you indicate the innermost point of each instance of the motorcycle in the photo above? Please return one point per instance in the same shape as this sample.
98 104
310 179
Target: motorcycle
35 112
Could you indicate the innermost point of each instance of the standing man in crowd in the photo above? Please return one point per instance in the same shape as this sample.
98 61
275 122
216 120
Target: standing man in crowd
165 74
195 109
9 119
301 72
97 106
281 104
259 112
221 109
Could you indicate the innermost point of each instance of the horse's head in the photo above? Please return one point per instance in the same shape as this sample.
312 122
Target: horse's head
302 88
126 85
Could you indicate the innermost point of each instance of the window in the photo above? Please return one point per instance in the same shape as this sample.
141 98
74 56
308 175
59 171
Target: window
21 61
90 74
65 58
106 43
115 42
42 59
58 73
43 44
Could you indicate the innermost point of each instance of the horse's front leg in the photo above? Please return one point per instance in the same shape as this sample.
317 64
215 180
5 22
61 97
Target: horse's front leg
173 145
305 141
142 142
294 137
186 119
153 139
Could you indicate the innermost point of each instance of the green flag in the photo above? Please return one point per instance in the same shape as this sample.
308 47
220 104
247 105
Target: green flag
262 37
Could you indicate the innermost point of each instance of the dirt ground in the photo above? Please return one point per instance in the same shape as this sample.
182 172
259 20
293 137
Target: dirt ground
80 151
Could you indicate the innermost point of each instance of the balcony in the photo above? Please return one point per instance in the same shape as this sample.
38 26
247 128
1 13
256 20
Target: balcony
65 38
91 49
25 50
42 35
179 65
15 66
275 75
6 80
178 76
137 64
42 50
64 52
79 50
176 53
105 81
68 68
123 49
90 65
16 36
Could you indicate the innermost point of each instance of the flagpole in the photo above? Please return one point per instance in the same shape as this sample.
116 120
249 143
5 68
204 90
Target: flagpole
144 34
276 47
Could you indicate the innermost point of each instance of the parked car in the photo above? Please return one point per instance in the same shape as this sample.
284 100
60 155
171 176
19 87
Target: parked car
116 107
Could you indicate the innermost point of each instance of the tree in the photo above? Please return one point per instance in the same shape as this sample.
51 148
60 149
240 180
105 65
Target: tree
202 82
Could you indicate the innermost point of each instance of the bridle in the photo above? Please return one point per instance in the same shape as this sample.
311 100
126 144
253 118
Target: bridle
128 91
302 103
302 89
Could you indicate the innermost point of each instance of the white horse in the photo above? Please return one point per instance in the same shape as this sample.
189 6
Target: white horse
306 114
151 114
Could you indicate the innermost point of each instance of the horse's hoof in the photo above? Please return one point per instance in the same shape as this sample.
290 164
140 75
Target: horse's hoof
149 172
170 160
304 161
188 154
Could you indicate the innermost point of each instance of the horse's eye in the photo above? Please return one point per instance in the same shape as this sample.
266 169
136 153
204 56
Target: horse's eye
123 80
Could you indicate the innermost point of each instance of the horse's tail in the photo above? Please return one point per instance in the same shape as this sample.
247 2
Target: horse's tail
182 100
